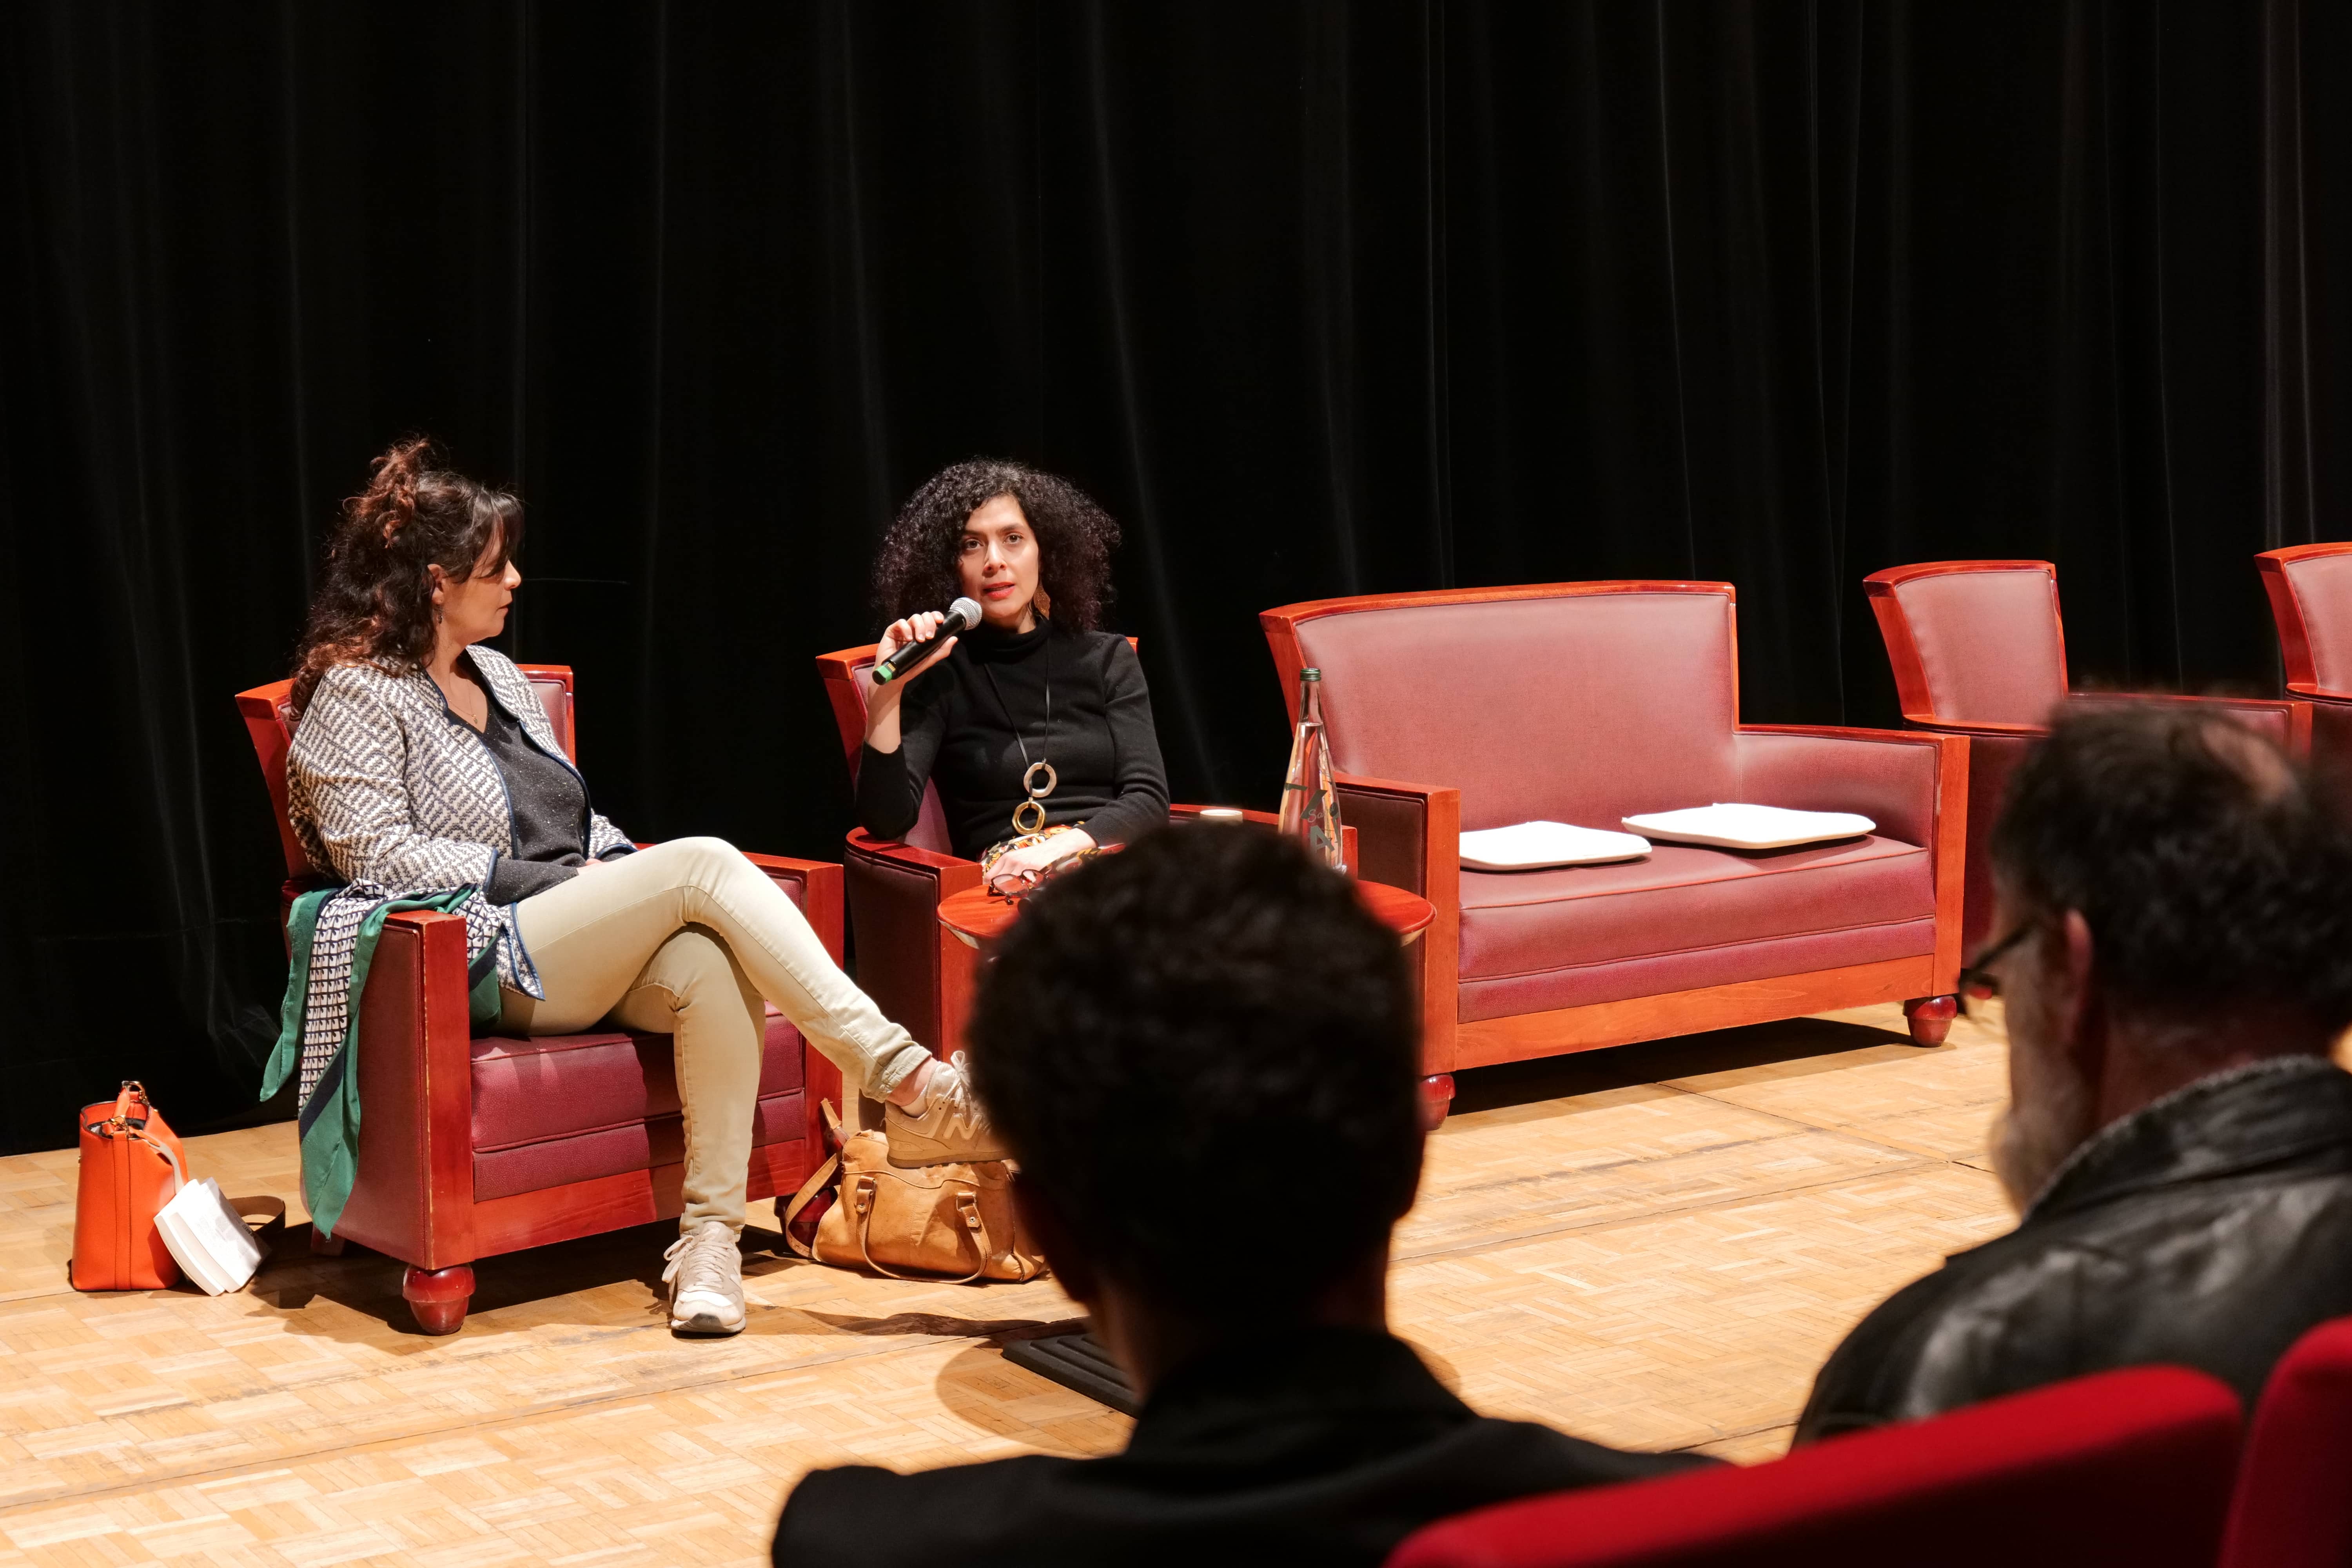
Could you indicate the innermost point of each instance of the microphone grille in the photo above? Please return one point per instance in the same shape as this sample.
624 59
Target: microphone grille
966 610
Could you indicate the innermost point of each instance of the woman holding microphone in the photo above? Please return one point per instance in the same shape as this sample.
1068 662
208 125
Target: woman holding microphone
1035 724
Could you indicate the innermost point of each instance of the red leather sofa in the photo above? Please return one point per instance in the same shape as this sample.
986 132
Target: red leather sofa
2129 1468
2310 590
1585 702
472 1146
1979 650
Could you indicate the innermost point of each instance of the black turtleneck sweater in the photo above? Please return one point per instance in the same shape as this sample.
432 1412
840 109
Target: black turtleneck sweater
955 729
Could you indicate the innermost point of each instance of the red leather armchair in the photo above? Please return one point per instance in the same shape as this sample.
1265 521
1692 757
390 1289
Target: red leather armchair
918 974
1441 719
1979 650
2128 1467
473 1146
2310 589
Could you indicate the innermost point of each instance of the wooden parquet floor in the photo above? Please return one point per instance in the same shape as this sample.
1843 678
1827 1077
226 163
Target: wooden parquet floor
1653 1247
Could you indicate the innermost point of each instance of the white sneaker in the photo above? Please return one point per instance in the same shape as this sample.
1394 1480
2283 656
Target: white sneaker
706 1281
951 1126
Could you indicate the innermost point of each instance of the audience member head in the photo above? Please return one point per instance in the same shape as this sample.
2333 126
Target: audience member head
931 556
2172 900
1204 1054
418 535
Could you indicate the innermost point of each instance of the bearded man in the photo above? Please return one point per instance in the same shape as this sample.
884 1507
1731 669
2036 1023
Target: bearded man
2174 949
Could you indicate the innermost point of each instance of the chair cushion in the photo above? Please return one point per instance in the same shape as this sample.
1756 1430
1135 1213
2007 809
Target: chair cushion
563 1108
1687 917
2322 587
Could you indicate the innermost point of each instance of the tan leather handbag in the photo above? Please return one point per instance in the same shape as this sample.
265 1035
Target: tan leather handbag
952 1222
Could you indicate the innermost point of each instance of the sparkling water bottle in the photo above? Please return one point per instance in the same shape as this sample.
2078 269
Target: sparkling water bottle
1310 806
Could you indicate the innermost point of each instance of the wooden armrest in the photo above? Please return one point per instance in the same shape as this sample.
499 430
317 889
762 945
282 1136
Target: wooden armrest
1987 727
906 855
1409 836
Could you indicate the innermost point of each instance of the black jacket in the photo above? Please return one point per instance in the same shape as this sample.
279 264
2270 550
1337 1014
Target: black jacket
2209 1229
1323 1447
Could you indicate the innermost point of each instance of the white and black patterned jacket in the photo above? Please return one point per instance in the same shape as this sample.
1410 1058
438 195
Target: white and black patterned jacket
396 797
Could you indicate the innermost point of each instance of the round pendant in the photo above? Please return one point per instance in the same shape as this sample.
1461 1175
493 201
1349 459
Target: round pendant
1022 820
1029 780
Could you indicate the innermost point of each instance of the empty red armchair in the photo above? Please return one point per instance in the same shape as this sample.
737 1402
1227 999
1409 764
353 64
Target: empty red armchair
2293 1504
1583 703
2310 589
2128 1467
472 1147
1979 650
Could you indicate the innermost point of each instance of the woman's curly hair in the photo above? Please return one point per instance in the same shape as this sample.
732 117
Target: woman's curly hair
374 601
916 568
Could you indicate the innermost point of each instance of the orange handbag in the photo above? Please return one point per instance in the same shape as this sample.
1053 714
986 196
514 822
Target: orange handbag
132 1164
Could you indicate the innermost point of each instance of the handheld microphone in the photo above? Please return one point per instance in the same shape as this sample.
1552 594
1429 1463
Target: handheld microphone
963 615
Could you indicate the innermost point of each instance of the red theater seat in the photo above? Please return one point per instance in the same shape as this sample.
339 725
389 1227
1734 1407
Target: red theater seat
1439 720
469 1146
1978 649
2294 1507
2127 1467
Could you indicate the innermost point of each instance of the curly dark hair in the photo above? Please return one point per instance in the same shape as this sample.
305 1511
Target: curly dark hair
375 600
1212 1009
916 568
2211 871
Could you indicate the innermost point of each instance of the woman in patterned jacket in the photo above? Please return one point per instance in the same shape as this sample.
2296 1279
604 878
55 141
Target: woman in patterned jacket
423 769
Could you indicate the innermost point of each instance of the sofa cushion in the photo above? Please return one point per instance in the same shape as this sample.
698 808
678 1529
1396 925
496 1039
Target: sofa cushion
1687 917
555 1086
612 1150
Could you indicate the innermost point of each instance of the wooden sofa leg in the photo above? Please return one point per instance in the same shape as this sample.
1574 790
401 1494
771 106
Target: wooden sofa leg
438 1297
1437 1100
1931 1018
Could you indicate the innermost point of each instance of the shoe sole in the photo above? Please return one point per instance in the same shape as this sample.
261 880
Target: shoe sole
704 1325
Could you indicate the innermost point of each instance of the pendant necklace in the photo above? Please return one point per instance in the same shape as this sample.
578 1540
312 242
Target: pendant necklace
1029 816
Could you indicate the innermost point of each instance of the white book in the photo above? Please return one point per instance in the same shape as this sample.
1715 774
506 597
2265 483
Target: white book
213 1245
1527 846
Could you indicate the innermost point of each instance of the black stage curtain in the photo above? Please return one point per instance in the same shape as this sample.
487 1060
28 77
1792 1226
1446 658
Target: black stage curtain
1318 298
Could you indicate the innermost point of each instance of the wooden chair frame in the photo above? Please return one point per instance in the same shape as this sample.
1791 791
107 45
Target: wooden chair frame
412 1197
1410 836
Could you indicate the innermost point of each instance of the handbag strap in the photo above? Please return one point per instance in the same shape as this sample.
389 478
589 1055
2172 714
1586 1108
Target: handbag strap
132 1112
967 1204
802 1199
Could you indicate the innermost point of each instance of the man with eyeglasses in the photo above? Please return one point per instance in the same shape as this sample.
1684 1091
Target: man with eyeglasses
2174 951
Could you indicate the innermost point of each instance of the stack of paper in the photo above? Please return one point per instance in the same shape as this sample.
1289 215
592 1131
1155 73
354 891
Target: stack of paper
214 1246
1525 846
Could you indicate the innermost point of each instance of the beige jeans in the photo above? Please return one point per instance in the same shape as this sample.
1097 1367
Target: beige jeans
688 939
